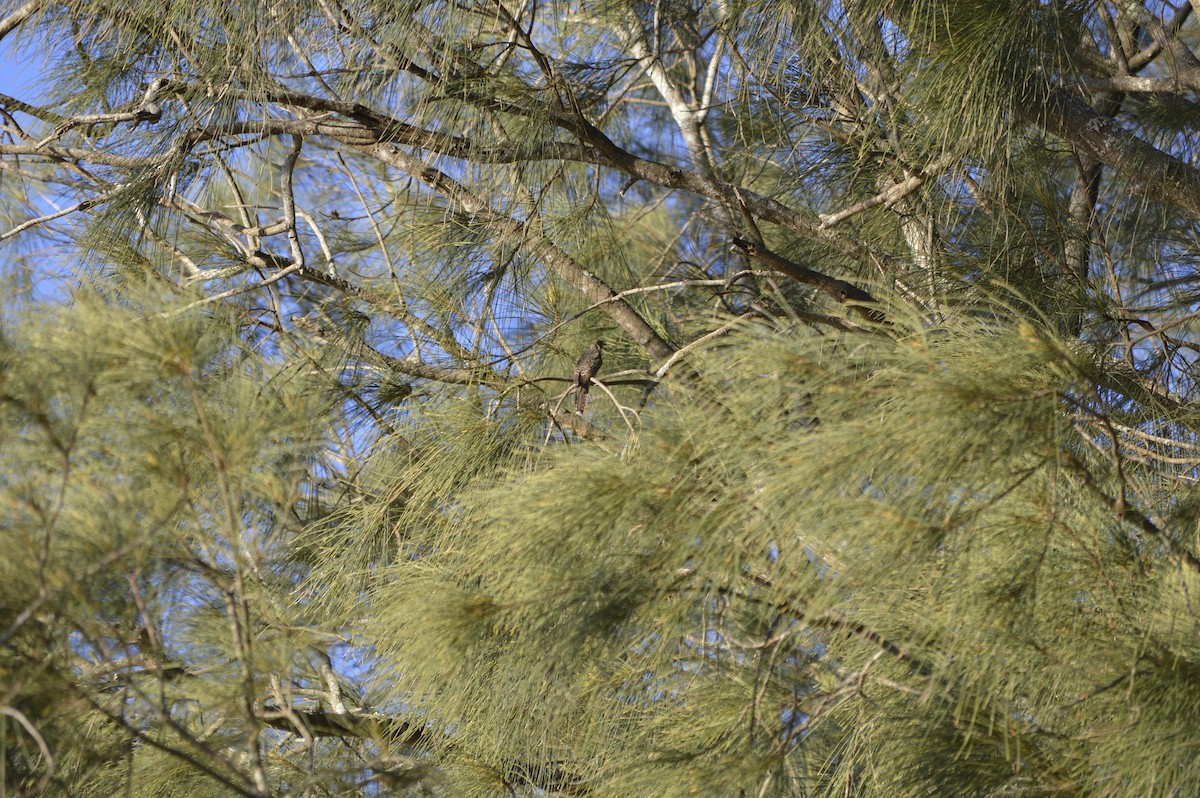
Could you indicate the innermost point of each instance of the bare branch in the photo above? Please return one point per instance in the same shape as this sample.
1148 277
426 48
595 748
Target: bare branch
539 246
1150 171
10 23
891 195
840 290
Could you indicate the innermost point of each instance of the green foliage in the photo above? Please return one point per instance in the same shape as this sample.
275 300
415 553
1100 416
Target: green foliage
866 545
160 460
886 486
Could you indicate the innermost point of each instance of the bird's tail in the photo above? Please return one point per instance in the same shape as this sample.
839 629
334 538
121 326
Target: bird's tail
581 397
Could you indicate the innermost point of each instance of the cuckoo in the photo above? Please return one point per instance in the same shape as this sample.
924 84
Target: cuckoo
585 368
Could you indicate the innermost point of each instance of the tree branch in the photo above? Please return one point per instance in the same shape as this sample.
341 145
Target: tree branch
368 127
548 776
839 290
1150 171
889 196
562 264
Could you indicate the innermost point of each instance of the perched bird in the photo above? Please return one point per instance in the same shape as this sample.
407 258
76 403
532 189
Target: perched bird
585 368
149 110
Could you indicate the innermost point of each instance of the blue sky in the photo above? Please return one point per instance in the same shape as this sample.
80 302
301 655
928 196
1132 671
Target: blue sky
18 71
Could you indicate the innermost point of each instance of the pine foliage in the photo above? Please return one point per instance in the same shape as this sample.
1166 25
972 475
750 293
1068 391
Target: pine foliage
830 561
886 486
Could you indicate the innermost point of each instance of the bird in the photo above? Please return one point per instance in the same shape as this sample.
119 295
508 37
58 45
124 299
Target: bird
585 368
149 110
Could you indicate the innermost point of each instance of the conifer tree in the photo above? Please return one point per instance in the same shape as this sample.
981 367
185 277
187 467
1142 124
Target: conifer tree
883 486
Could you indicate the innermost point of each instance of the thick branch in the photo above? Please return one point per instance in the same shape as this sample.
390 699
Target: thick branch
840 290
1185 80
9 23
1150 171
